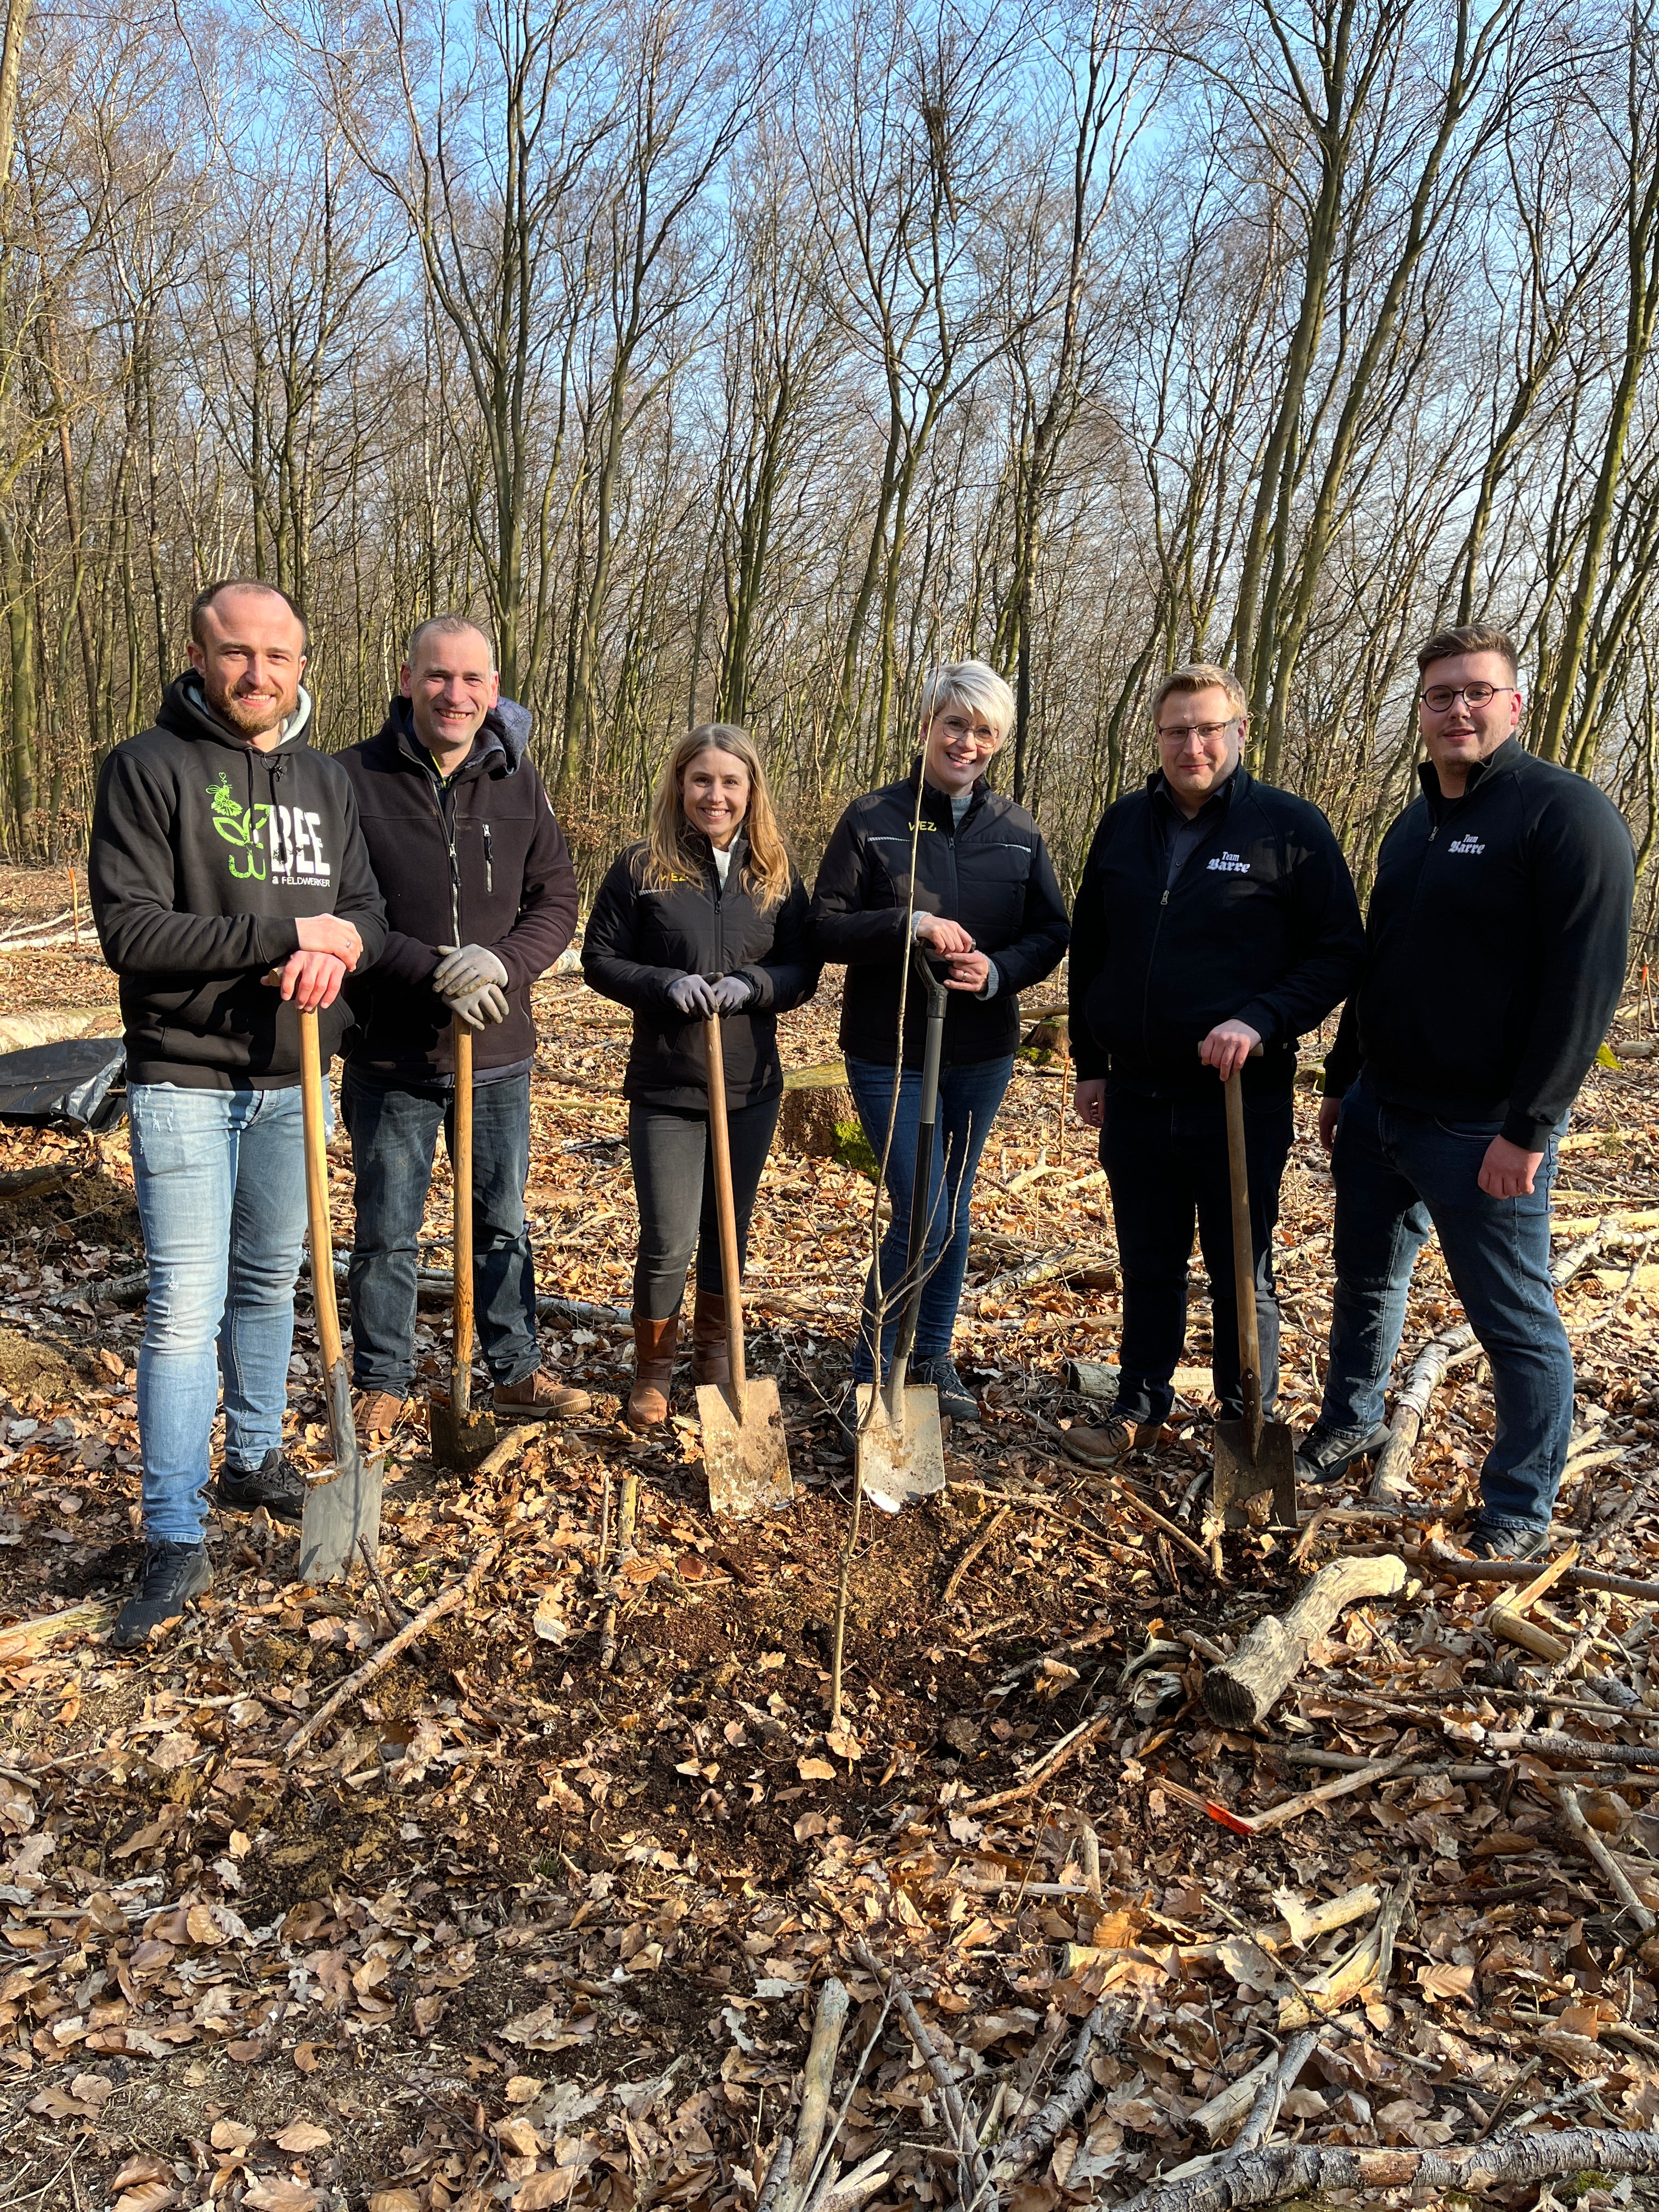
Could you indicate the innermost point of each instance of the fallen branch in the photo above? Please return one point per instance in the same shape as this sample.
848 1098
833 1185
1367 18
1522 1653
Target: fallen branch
970 2160
1041 1270
973 1552
1039 2134
1367 1967
1265 2116
1586 1836
1391 1475
1317 2170
1457 1567
1067 1747
446 1601
1242 1691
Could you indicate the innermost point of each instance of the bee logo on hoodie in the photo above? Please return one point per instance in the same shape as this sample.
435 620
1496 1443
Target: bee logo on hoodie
282 842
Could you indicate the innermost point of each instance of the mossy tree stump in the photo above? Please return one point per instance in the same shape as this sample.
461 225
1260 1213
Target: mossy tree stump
816 1104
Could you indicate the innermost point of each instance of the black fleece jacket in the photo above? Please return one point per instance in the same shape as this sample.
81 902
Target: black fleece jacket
1495 948
639 940
1261 926
205 854
478 860
990 872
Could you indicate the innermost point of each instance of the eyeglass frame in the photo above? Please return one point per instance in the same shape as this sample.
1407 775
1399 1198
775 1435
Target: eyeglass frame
1462 692
1209 732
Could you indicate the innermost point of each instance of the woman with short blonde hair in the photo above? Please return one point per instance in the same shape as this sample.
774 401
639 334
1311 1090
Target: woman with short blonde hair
981 899
705 916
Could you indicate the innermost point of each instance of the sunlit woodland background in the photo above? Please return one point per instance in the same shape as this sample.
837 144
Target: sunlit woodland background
740 359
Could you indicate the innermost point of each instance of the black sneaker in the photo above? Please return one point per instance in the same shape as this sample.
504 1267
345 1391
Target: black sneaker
954 1400
1325 1458
278 1487
1488 1542
173 1575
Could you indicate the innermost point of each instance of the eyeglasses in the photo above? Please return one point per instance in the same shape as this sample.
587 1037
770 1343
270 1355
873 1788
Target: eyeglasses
1209 732
1442 699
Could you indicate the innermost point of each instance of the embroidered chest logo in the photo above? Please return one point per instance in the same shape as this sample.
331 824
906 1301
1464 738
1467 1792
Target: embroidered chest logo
1469 844
274 844
1230 864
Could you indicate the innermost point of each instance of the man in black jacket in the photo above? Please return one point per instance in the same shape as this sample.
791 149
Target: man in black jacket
481 900
230 888
1216 917
1495 952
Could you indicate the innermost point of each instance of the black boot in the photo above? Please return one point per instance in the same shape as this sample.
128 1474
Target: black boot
280 1488
173 1574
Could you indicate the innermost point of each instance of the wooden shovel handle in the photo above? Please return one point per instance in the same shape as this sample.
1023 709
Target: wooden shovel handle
1249 1348
460 1161
324 1302
720 1143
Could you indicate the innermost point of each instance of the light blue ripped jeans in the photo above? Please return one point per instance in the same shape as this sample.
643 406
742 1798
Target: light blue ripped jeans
220 1179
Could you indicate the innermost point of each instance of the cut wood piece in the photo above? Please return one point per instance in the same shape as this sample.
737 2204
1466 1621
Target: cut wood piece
1225 2111
1094 1379
1366 1968
827 2027
27 1639
1243 1692
1508 1617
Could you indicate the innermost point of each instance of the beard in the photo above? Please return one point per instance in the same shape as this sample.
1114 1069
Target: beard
251 718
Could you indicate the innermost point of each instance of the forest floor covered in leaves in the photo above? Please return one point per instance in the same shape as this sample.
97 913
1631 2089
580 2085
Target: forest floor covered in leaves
520 1926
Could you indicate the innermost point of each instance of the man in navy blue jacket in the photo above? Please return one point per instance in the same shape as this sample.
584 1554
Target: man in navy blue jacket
1216 915
1495 952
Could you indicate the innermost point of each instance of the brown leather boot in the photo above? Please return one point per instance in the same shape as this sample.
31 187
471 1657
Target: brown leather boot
539 1398
711 1360
653 1370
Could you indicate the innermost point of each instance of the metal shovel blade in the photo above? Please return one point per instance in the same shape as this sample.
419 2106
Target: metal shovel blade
341 1508
460 1440
342 1505
1239 1474
899 1464
747 1458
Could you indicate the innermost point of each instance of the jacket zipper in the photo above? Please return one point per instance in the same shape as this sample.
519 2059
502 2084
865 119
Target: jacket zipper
1157 931
434 793
490 862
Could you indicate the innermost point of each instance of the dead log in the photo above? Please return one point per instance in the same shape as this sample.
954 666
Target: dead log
1243 1691
1317 2170
21 1032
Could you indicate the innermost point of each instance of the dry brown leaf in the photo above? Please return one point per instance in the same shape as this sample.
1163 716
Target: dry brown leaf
232 2135
300 2136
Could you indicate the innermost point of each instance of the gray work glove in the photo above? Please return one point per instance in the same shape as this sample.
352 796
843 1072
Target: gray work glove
694 997
479 1008
732 993
464 969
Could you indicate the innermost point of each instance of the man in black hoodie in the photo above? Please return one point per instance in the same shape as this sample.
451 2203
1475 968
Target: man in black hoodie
1495 952
1216 921
230 888
481 900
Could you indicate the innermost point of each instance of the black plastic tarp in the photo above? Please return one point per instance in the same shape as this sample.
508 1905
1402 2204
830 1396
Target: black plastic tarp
78 1084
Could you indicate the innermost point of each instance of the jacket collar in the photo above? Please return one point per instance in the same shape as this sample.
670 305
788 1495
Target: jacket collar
936 803
1158 791
702 847
502 739
1505 762
185 711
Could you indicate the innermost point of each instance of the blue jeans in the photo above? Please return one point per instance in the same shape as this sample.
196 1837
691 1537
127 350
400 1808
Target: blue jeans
1399 1175
1166 1161
968 1097
220 1179
394 1137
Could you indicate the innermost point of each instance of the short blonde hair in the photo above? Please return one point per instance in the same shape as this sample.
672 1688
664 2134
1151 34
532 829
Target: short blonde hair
669 855
972 686
1200 676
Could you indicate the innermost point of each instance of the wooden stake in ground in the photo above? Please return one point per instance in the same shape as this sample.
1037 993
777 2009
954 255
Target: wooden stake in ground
1243 1691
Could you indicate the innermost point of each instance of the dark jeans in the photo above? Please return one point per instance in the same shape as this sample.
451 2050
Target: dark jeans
674 1181
968 1097
1166 1161
1398 1175
394 1136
